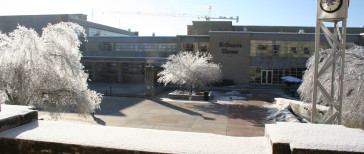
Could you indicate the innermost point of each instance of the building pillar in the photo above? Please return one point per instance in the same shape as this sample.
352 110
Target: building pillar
94 71
120 72
149 81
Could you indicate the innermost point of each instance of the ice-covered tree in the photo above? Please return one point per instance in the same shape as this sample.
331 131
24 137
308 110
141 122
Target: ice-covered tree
192 70
353 106
46 71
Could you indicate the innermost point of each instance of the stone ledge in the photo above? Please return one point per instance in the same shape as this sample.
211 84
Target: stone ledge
188 97
61 137
303 138
15 115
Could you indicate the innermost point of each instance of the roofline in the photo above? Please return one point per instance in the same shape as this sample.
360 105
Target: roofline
131 36
42 14
250 32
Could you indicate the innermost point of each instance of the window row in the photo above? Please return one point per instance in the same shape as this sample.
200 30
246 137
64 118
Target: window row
195 46
135 47
287 48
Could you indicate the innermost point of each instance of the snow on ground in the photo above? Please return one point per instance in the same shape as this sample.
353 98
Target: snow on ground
136 138
217 97
279 112
291 79
317 136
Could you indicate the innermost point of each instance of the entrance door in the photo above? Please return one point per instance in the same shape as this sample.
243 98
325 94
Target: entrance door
267 77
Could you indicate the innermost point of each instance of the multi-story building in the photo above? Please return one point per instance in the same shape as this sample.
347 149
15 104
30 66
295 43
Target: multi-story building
247 54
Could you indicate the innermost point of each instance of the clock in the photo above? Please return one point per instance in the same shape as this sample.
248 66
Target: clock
331 6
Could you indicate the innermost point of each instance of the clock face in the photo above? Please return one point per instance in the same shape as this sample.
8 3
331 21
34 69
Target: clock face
331 6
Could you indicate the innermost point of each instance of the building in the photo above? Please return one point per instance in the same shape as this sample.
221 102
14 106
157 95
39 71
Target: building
247 54
258 54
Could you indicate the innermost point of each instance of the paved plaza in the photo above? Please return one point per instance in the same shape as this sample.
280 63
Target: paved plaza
234 118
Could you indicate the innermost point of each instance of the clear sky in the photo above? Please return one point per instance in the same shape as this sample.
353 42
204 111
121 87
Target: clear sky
250 12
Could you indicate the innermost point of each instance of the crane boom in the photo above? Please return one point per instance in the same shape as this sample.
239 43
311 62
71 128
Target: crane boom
207 18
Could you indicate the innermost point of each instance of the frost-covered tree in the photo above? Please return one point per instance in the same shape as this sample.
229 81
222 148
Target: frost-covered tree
353 105
46 71
192 70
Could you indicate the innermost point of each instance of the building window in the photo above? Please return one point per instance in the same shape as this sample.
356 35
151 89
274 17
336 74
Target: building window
262 47
106 46
306 50
294 50
189 47
203 48
276 49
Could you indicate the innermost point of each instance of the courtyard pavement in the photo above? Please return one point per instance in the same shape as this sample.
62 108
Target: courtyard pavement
235 118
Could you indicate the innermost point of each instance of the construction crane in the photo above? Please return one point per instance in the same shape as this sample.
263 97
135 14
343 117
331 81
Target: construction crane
206 17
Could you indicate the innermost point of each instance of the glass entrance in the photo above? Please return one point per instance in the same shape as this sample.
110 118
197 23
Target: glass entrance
267 77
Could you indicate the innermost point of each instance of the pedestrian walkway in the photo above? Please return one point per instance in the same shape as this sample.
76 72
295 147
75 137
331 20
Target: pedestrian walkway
238 118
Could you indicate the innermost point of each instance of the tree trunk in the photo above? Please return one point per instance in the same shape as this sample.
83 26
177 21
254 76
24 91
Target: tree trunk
190 89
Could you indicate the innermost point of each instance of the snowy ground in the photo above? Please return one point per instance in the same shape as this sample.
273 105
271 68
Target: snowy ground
279 113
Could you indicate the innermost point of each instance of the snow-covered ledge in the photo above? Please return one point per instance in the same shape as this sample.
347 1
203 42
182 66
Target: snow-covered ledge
186 96
314 138
65 137
15 115
302 109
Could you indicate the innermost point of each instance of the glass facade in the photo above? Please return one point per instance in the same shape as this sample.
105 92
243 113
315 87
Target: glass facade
294 49
131 49
145 47
257 74
100 32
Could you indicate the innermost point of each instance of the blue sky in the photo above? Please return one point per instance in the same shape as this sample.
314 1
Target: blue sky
250 12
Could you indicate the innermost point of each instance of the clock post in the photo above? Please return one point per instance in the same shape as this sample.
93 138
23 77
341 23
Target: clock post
330 11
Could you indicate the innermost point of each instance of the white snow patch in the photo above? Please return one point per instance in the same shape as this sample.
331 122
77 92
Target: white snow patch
279 112
291 79
183 101
233 93
137 139
317 136
217 97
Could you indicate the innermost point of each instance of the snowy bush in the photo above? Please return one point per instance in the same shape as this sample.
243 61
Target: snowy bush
353 106
46 71
193 70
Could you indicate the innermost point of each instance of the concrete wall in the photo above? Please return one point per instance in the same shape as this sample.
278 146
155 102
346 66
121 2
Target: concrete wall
203 27
232 51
